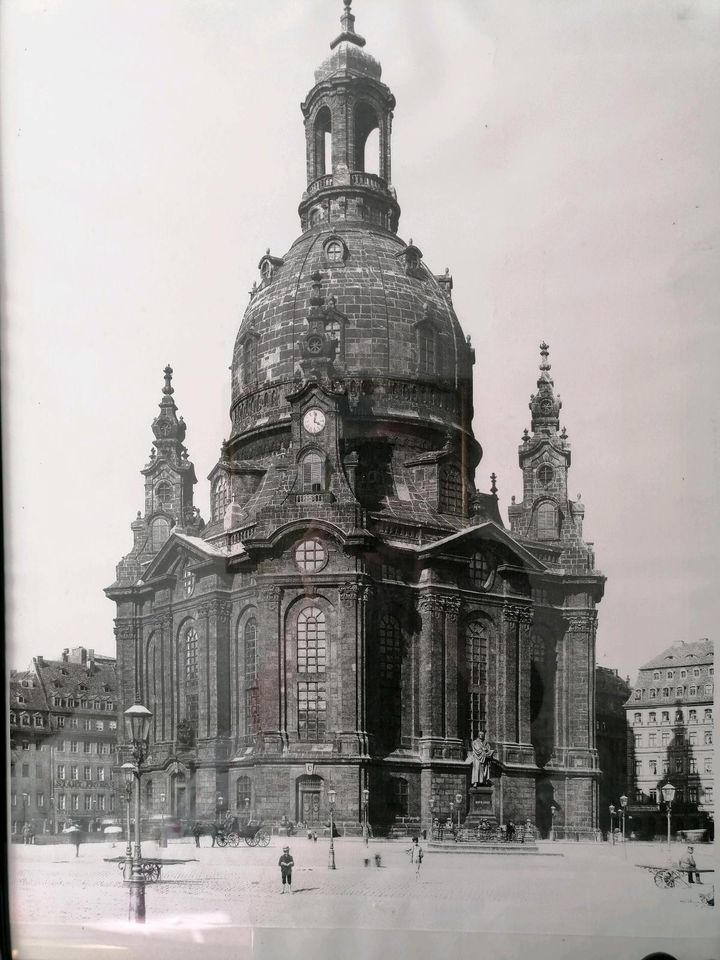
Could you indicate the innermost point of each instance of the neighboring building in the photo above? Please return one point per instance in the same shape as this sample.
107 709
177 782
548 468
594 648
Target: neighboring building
611 694
30 734
354 613
670 739
63 760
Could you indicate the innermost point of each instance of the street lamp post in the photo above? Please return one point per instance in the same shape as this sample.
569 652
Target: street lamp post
219 806
247 808
366 801
458 801
612 823
137 727
331 804
53 816
128 771
553 812
163 838
432 818
623 805
668 792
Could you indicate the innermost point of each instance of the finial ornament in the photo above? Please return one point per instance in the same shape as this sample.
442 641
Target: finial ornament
168 388
544 353
493 484
347 22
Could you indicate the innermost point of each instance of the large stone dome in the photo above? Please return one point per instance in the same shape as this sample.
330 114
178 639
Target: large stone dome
391 318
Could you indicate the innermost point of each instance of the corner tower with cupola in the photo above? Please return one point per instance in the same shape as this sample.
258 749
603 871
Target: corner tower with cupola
355 612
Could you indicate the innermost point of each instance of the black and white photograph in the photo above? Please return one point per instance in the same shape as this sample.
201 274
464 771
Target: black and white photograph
360 469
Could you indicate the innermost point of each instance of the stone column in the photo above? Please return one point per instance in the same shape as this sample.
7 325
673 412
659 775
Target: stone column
351 661
272 693
431 665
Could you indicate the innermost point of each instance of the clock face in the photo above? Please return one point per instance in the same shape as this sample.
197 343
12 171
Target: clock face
314 421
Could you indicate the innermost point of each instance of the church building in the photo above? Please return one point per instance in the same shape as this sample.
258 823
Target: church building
354 611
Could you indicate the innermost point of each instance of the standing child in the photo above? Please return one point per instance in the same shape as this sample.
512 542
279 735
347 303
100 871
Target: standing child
416 855
286 863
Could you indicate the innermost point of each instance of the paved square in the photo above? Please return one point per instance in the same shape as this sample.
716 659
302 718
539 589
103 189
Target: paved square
64 906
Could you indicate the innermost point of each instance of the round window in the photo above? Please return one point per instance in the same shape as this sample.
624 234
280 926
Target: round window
545 474
310 556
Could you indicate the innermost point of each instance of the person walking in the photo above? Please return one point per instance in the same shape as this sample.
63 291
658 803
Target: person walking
286 863
197 832
687 862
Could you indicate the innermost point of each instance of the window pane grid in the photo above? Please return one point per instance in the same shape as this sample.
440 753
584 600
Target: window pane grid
312 711
311 641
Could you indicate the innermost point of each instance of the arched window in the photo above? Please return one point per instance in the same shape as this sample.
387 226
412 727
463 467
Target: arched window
390 647
243 795
312 473
250 638
451 491
250 360
547 524
545 474
219 498
191 653
476 652
390 651
365 122
311 639
426 350
159 532
323 142
163 493
154 685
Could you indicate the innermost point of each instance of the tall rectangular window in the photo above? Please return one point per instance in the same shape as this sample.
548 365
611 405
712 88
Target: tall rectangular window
476 652
312 711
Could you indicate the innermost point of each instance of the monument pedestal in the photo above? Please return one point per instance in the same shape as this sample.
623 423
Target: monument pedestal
481 809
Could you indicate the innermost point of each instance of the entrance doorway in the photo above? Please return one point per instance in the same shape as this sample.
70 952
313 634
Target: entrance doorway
309 791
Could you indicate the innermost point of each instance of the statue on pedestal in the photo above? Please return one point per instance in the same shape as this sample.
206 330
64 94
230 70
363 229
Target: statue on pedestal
480 755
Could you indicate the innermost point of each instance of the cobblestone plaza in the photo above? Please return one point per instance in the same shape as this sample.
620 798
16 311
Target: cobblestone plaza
228 902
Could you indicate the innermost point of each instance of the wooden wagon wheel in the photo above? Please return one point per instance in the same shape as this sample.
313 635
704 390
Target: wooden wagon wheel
262 837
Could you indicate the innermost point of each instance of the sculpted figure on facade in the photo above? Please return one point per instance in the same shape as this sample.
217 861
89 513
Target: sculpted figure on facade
481 754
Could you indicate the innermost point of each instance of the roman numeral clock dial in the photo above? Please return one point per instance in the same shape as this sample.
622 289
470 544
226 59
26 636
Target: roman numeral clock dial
314 421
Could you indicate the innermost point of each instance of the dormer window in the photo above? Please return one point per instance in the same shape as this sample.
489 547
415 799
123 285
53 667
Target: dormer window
163 494
219 498
547 521
312 473
266 270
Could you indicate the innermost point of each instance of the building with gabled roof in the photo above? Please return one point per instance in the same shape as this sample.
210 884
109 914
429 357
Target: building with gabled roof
64 730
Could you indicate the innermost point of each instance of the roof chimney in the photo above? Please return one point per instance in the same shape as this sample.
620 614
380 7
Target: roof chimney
65 653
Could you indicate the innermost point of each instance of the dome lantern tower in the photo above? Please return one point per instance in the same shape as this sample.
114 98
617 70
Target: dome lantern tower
344 108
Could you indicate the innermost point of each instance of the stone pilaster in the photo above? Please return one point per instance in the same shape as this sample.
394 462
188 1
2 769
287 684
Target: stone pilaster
514 670
452 610
272 692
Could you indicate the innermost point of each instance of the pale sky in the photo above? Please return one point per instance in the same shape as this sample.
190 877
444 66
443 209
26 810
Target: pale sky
561 158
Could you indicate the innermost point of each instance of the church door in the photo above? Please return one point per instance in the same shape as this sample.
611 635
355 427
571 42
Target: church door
308 799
